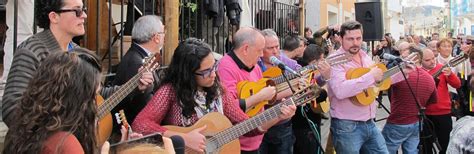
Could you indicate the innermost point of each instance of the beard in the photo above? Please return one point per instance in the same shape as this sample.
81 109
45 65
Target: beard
354 49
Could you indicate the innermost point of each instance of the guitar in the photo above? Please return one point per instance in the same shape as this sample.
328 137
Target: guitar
122 119
104 107
452 63
222 137
246 89
367 96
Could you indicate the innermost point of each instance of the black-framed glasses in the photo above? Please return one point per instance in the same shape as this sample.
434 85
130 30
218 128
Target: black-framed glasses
77 11
207 72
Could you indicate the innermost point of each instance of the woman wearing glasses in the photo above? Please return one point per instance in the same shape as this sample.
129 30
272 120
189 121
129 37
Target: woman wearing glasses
189 90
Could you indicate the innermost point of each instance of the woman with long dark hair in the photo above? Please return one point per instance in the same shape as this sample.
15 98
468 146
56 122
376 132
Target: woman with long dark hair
189 90
57 113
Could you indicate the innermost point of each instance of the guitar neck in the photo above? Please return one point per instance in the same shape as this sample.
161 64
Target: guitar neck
392 71
453 62
280 79
246 126
118 95
438 72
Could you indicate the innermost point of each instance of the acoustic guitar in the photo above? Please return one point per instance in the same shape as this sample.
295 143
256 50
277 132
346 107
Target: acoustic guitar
122 119
222 137
246 89
452 63
367 96
104 107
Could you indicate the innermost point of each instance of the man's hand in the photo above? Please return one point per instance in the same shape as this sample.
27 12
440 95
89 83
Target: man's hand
377 73
325 69
447 71
146 80
267 93
287 112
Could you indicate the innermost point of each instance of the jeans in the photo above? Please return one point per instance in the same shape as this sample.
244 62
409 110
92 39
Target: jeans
278 140
354 137
407 136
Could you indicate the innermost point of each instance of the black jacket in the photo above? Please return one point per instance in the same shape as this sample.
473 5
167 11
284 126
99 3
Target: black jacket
127 68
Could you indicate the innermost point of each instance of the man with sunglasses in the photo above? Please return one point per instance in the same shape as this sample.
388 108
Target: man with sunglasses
62 20
148 37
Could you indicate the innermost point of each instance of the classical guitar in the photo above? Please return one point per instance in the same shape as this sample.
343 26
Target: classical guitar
222 137
367 96
122 119
452 63
104 107
246 89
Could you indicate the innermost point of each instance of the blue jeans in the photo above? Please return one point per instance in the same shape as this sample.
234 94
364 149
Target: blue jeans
278 140
406 135
355 137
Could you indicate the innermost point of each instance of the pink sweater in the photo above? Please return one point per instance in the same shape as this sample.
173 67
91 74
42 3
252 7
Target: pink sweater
230 75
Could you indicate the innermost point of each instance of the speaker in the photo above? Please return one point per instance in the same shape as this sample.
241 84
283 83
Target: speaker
369 14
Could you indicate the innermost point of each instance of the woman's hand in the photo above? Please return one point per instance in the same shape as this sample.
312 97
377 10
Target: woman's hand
195 140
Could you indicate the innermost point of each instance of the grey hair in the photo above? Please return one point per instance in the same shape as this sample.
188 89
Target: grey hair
145 27
269 32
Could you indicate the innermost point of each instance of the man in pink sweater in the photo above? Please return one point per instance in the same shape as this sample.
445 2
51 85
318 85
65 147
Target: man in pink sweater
241 65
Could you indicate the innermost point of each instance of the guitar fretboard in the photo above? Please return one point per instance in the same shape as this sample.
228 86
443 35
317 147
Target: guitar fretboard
453 62
118 95
242 128
332 61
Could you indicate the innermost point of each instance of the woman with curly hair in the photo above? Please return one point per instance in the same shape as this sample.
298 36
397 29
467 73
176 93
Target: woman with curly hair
58 111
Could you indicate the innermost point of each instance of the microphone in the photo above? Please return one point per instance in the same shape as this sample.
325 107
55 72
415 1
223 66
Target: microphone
275 61
178 144
388 56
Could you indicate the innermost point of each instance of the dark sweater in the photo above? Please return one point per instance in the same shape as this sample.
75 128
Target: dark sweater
403 106
26 60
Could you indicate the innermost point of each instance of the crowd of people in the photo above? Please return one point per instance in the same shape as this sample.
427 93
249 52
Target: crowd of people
53 86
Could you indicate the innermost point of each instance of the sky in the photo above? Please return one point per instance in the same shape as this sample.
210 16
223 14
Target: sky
438 3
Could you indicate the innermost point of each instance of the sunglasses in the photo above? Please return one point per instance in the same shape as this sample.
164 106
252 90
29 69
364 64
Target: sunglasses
77 11
467 42
207 72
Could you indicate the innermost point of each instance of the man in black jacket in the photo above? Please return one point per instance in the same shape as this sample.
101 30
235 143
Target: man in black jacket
148 37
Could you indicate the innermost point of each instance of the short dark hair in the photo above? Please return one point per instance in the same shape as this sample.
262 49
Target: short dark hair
312 52
350 25
43 8
291 42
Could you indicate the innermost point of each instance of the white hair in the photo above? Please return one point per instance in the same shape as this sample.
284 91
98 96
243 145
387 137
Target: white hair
145 27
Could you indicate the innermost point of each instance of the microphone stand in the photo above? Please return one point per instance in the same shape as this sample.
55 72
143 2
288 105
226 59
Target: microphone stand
421 113
282 67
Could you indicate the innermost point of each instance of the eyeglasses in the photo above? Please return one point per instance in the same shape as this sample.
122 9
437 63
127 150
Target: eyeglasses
78 11
207 72
467 42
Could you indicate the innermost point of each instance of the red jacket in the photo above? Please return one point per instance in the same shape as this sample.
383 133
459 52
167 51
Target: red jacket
443 106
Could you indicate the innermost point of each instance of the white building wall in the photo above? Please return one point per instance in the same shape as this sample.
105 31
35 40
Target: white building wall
312 14
392 23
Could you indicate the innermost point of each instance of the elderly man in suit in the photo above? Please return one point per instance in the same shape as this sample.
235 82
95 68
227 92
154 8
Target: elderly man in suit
147 39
